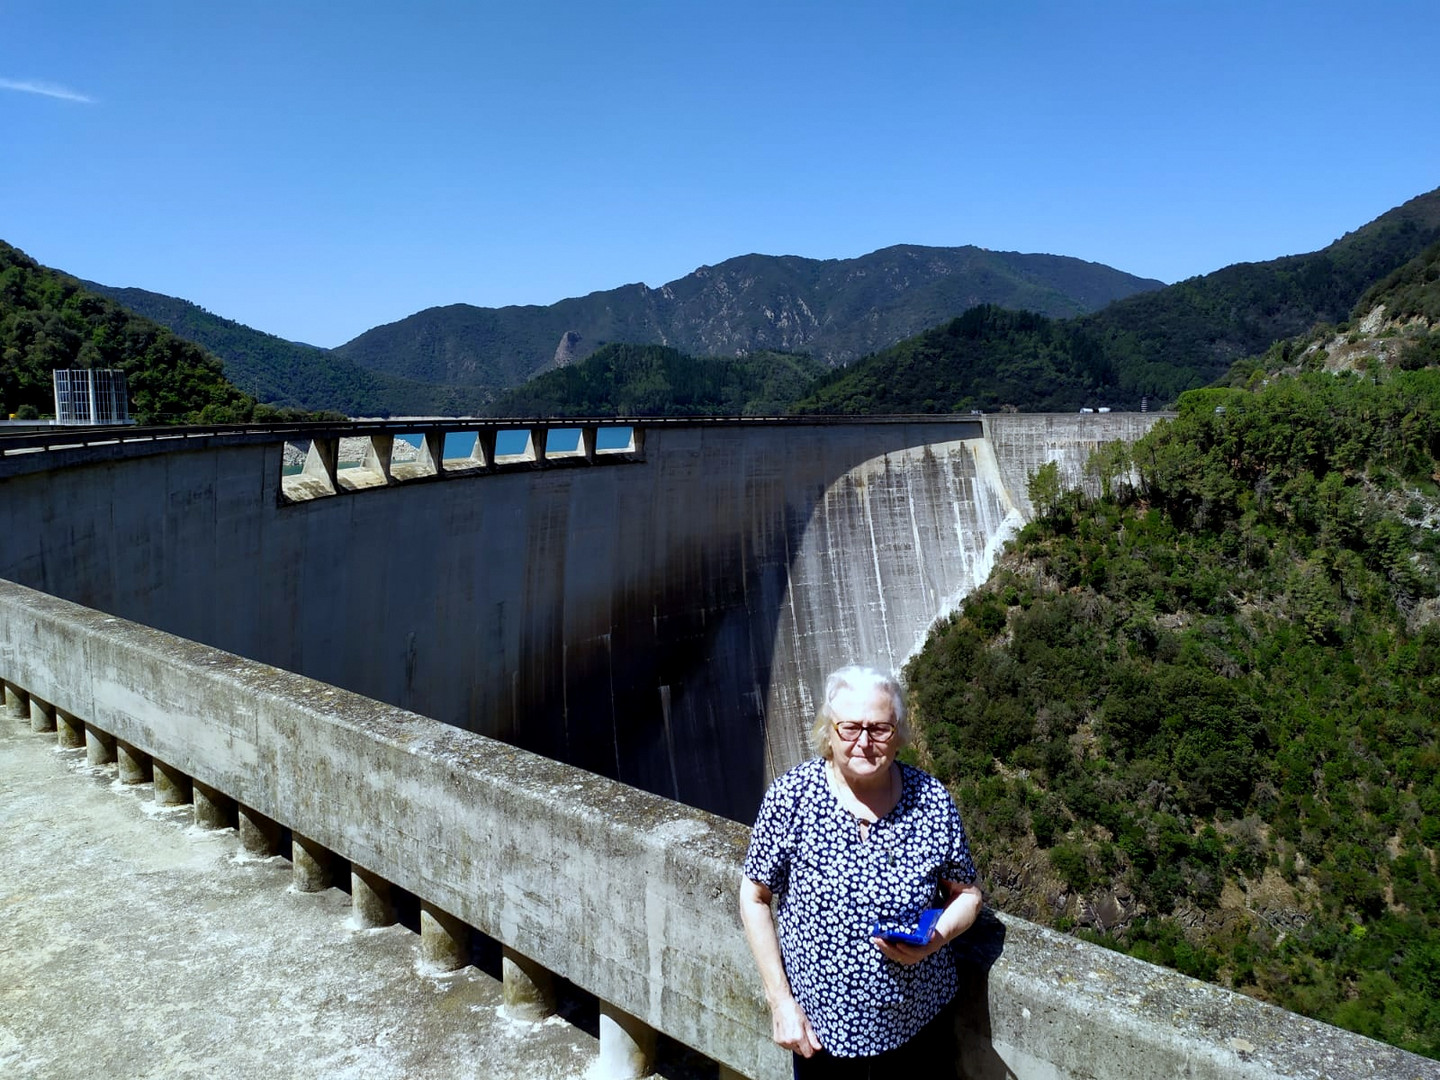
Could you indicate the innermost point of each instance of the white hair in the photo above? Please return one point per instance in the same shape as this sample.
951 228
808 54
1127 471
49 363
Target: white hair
858 677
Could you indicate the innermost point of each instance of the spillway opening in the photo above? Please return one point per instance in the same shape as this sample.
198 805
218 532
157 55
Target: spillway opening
411 457
616 440
564 442
516 446
307 469
464 452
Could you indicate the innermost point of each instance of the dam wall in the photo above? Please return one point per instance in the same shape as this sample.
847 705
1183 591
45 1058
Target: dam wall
663 620
629 895
1023 442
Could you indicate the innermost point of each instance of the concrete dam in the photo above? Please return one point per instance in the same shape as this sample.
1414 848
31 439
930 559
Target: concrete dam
330 654
662 620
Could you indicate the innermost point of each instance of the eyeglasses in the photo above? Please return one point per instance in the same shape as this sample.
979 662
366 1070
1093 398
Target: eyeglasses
851 730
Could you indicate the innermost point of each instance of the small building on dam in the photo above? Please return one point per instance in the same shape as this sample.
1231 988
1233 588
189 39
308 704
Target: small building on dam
638 611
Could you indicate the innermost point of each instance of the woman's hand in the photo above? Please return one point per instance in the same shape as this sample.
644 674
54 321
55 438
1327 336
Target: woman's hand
960 911
790 1028
902 952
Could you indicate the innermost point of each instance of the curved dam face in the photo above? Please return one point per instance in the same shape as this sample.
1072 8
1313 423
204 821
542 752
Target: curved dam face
663 620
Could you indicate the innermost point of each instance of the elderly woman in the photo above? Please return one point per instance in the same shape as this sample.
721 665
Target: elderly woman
847 843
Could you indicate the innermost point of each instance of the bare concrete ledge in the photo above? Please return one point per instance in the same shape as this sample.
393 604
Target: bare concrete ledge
628 895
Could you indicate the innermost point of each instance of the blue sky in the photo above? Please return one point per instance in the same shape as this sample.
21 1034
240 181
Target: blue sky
317 169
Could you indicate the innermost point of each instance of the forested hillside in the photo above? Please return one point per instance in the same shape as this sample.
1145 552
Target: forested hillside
287 373
1408 292
47 320
1193 714
1154 344
834 309
987 359
652 380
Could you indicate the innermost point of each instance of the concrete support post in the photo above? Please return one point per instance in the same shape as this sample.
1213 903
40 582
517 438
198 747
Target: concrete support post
529 989
312 863
432 452
259 835
212 809
172 787
637 441
484 452
587 442
538 435
42 715
371 898
321 461
627 1046
134 764
378 454
17 702
444 939
69 732
99 745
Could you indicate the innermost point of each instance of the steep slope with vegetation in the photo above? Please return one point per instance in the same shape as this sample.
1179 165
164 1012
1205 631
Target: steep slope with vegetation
289 374
652 380
1193 713
1155 344
48 320
834 309
1409 291
1396 324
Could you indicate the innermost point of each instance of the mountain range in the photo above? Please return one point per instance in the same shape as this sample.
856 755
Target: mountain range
455 358
905 329
1155 344
835 309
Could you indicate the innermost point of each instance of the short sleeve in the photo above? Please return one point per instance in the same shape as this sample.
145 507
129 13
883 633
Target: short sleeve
768 859
958 865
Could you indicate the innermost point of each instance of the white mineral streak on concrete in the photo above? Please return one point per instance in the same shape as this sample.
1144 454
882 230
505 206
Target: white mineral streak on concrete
896 542
136 946
866 493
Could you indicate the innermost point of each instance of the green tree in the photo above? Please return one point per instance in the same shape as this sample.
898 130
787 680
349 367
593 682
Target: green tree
1044 488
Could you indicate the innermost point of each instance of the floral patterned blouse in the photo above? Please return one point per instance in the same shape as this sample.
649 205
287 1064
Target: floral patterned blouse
831 887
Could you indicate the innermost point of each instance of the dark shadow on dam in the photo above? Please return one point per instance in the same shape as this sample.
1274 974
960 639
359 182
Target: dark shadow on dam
673 699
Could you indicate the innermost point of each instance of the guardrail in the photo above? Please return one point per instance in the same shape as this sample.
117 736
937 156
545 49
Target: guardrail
628 895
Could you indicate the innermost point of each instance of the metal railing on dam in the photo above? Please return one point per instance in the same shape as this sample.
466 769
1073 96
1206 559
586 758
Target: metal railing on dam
628 895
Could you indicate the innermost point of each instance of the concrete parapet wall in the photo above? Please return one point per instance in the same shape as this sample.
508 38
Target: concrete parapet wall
628 895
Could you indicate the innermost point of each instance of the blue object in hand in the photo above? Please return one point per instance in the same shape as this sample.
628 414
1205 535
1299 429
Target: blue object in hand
892 931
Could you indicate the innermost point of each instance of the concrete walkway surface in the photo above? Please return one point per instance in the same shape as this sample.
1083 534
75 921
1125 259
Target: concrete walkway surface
135 945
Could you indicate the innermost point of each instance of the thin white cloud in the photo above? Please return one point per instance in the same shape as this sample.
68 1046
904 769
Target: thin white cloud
34 86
